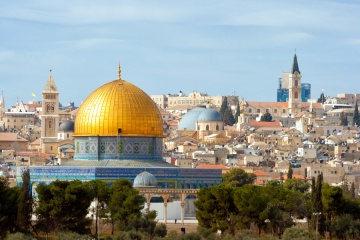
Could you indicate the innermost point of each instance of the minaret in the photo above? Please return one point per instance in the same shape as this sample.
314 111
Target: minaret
49 117
294 103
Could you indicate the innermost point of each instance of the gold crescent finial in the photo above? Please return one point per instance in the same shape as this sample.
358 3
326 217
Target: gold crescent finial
119 72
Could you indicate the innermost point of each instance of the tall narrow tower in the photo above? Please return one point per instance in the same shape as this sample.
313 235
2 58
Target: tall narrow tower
294 103
49 117
2 106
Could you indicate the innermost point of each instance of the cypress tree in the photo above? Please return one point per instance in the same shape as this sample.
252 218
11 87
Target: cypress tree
356 115
223 108
228 117
343 119
318 212
237 114
322 98
25 204
290 172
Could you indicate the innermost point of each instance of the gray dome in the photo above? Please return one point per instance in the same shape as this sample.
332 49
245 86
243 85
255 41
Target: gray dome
209 115
188 122
145 179
67 126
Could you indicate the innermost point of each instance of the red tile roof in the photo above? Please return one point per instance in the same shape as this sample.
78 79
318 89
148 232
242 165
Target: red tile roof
281 105
259 173
264 124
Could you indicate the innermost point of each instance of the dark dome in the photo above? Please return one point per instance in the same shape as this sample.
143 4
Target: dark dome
209 115
188 121
145 179
67 126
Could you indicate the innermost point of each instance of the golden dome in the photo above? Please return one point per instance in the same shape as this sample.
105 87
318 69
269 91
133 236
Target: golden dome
118 108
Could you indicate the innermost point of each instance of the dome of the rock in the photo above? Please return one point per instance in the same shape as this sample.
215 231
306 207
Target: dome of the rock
118 108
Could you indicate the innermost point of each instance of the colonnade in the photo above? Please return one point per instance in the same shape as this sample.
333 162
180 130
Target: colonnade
166 193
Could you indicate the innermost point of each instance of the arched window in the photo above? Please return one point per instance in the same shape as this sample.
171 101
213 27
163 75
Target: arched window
217 127
207 127
296 95
296 83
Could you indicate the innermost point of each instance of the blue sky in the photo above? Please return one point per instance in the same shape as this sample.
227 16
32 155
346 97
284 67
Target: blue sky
215 47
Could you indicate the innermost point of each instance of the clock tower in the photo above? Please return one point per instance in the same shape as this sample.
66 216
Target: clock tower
49 117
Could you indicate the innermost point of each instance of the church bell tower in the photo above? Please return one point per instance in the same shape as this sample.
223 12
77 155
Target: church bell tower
294 103
49 117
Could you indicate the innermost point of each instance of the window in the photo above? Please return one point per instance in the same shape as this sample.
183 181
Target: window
258 110
275 110
296 83
50 147
207 127
217 127
250 110
67 135
284 111
296 95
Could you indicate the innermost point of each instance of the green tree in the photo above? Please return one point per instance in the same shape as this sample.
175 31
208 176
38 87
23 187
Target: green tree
25 202
124 203
146 225
251 201
318 219
296 184
100 193
356 118
343 119
237 114
8 207
290 172
12 208
228 117
332 199
63 206
322 98
226 113
216 208
223 108
282 207
237 177
266 117
346 227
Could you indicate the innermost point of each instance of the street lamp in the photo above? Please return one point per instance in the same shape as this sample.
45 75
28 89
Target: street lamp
317 222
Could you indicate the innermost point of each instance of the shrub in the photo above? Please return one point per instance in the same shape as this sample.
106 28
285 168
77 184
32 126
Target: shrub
297 233
19 236
160 230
